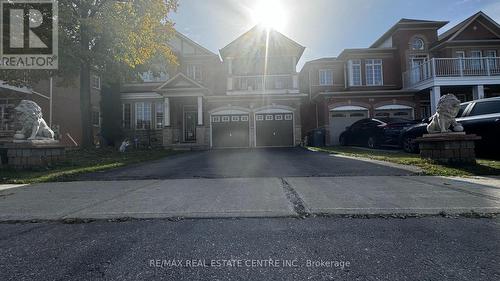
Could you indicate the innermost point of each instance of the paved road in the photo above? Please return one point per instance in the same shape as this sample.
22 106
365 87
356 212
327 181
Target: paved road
376 249
277 162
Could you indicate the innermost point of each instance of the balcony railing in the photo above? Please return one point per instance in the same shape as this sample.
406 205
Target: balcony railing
267 82
451 68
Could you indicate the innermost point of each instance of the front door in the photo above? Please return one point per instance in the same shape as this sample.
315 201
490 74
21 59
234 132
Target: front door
418 73
190 119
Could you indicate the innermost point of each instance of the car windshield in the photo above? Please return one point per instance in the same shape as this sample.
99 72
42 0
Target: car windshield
463 106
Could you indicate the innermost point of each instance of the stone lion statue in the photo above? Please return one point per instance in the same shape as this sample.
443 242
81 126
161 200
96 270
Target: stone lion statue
444 118
29 114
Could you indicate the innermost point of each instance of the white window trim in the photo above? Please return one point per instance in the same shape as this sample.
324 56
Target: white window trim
130 116
143 115
373 73
351 63
476 51
331 76
460 52
193 75
158 106
491 51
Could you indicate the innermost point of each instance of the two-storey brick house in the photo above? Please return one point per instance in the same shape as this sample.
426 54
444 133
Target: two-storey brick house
402 74
249 97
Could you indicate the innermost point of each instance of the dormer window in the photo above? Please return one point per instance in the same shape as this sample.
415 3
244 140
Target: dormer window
417 44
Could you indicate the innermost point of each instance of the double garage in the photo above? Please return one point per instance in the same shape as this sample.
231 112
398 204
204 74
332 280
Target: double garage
344 116
271 128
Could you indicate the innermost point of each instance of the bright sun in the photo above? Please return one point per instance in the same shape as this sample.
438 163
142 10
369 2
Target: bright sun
270 14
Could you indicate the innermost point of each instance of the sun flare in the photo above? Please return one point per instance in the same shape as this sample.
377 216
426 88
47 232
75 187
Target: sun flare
270 14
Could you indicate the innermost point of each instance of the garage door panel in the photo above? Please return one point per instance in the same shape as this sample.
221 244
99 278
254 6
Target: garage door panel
230 131
339 120
274 130
395 113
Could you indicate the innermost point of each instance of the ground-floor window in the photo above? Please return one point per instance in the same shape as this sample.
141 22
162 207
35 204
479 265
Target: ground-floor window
96 118
143 115
159 115
6 116
127 116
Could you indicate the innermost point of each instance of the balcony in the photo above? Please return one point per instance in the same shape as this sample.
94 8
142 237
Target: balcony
263 84
453 71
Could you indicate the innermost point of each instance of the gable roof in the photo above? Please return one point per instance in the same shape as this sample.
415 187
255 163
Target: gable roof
190 41
256 37
402 23
180 82
459 28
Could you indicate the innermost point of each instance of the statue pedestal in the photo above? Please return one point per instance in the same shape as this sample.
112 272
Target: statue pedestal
30 154
448 148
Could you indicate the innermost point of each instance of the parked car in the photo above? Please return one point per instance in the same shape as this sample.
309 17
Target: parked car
480 117
374 132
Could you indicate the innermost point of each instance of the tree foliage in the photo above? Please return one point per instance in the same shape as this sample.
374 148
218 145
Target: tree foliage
109 37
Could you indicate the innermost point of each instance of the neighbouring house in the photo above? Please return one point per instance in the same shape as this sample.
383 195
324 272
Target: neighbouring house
60 108
402 74
247 97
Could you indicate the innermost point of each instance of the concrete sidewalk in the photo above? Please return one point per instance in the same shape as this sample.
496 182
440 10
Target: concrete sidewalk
249 197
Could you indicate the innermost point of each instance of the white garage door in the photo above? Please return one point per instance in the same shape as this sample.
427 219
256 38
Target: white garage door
395 111
341 117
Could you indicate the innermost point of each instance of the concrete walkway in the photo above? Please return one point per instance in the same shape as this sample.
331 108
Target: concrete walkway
249 197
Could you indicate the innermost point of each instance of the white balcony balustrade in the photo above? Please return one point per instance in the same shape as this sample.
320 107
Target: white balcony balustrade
282 83
453 71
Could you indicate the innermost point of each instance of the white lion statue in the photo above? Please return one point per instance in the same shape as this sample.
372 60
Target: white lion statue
29 114
444 118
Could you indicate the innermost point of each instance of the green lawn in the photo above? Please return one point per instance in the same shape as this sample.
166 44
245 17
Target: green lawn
483 166
82 161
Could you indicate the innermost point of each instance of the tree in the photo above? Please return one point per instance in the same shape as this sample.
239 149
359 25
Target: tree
107 37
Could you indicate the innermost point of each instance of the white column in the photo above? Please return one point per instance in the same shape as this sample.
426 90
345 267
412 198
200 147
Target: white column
435 95
200 110
478 92
166 111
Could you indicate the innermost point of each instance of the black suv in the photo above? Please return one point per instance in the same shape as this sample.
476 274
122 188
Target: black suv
480 117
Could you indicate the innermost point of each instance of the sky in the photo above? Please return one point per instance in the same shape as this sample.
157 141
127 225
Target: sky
324 27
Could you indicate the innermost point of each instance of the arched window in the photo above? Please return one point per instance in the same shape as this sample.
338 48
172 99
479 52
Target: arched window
417 44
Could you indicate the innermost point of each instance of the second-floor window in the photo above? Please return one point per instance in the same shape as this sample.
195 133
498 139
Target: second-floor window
354 72
195 72
492 58
374 75
143 115
95 82
325 77
476 62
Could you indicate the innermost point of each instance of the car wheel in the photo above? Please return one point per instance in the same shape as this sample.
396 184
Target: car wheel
342 140
409 145
372 143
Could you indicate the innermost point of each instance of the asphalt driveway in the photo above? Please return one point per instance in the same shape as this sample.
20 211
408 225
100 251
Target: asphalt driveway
249 163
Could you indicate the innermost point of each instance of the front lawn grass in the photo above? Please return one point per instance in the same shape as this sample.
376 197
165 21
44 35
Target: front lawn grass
79 162
482 168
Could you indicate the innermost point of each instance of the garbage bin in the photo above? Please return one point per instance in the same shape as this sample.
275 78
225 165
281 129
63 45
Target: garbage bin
318 137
